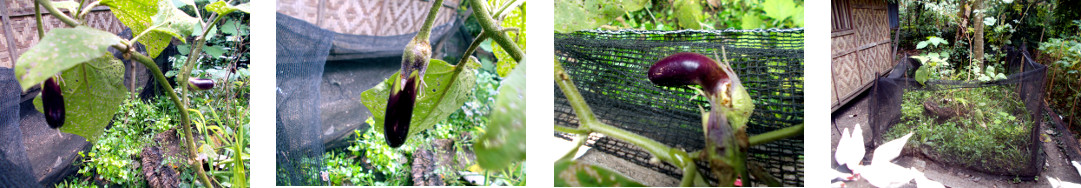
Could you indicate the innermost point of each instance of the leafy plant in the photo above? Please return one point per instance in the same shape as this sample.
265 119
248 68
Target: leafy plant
935 63
574 15
94 76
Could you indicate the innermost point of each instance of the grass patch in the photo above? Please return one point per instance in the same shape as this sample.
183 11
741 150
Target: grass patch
988 130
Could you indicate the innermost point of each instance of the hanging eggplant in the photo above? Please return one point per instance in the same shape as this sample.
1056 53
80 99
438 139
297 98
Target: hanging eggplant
52 101
410 81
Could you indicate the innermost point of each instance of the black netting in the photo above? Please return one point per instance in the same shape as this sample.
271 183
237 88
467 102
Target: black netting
318 68
15 168
609 69
302 49
1019 96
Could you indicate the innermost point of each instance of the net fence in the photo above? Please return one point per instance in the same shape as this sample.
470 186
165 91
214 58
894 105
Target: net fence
952 114
609 68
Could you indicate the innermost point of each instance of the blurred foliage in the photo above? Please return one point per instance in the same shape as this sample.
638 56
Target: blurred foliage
574 15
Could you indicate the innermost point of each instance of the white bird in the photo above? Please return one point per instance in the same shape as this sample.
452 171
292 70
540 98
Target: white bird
1056 183
890 150
923 182
850 148
1076 166
886 175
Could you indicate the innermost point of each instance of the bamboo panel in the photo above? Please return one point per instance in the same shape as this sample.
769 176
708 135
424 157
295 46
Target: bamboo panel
24 31
861 56
846 71
367 17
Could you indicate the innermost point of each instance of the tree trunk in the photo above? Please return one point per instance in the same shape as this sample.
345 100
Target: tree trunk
977 41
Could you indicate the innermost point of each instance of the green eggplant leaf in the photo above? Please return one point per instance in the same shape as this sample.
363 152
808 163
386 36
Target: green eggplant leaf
574 15
70 5
59 50
138 16
93 92
174 22
569 173
503 142
779 9
751 20
223 8
634 5
689 13
443 95
922 74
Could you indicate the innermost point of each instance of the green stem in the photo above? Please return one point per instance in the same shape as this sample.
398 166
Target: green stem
189 141
570 130
776 135
588 122
56 13
37 17
426 30
578 103
577 145
87 8
488 24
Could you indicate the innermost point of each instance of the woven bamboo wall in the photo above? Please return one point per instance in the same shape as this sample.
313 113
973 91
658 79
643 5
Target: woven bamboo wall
367 17
20 29
862 53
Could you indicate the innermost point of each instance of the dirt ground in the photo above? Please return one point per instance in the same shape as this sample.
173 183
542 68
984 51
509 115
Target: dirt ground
1057 165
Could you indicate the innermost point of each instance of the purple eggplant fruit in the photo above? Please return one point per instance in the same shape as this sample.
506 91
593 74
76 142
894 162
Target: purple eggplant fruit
200 83
399 112
52 101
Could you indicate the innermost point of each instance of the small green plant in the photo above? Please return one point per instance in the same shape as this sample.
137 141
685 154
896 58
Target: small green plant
935 59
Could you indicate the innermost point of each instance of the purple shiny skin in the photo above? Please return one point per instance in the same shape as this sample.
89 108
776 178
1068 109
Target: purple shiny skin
687 68
399 114
52 102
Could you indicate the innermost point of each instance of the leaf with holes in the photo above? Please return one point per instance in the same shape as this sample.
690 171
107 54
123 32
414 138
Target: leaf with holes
93 92
137 15
59 50
503 142
574 15
223 8
173 21
569 173
444 95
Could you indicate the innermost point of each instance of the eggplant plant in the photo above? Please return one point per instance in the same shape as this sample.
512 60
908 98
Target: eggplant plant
426 91
724 127
92 86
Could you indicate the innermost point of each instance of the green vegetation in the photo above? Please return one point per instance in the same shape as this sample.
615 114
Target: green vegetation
985 128
574 15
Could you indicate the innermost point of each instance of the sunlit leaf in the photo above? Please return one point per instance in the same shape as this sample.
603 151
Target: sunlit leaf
61 49
173 21
634 5
779 9
137 15
577 15
922 74
93 92
689 13
443 95
569 173
503 142
751 21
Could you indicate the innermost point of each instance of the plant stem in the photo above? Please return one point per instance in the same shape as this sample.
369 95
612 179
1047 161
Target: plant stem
488 24
426 30
776 135
37 17
570 130
589 123
189 141
577 145
56 13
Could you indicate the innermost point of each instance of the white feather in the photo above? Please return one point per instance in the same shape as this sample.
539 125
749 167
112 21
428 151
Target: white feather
850 148
890 150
